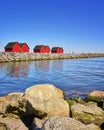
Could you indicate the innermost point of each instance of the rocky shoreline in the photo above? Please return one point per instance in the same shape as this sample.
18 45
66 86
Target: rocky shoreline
7 57
44 107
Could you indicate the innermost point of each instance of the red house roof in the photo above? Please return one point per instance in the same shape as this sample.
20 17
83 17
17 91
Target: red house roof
57 50
41 49
22 44
54 48
38 47
10 45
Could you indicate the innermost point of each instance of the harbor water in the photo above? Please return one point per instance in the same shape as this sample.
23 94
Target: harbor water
76 77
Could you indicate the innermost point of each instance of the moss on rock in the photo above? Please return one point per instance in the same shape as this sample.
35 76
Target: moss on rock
88 114
98 100
71 102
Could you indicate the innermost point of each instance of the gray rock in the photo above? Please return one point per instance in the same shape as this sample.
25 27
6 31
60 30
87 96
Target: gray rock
66 123
11 124
3 126
37 123
12 56
11 98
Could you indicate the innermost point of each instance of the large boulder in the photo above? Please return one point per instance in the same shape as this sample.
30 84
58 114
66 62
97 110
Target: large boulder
66 123
88 114
53 107
44 100
11 124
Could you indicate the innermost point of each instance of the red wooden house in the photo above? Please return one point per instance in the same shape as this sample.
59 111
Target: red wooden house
57 50
41 49
24 47
13 47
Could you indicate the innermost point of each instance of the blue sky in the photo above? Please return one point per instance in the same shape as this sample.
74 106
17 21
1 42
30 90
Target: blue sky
76 25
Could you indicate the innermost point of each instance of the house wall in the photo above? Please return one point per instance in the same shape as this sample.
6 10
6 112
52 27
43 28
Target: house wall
42 50
35 51
16 48
8 50
59 50
25 48
53 51
62 51
47 50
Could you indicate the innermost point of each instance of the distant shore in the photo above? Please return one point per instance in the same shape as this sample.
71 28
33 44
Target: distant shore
10 56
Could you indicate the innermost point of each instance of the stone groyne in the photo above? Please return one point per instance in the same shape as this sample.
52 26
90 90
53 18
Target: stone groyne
10 56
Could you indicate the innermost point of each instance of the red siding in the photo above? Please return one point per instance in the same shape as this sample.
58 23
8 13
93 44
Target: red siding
25 48
47 50
60 50
42 50
16 48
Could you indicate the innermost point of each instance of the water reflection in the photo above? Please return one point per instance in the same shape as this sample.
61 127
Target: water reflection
16 69
42 64
57 65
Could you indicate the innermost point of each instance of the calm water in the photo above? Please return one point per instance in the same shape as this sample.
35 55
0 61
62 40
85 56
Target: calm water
75 77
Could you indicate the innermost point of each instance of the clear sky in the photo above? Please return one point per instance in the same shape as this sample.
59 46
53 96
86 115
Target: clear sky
75 25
